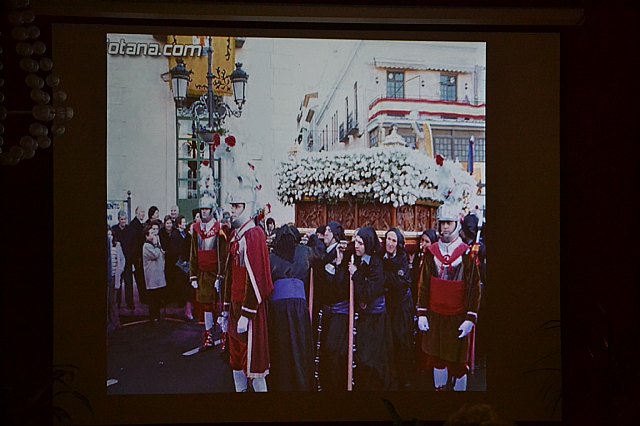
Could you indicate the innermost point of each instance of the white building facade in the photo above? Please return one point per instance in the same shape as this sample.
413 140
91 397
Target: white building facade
345 94
433 92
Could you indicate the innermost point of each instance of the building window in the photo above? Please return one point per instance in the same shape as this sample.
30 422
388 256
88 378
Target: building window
326 137
334 132
190 153
410 141
355 102
346 106
479 153
395 84
458 148
448 88
373 138
442 146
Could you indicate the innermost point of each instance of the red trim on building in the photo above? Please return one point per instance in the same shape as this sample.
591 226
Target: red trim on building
401 113
424 101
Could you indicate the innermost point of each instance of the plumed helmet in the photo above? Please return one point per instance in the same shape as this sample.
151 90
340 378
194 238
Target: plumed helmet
243 193
207 201
448 213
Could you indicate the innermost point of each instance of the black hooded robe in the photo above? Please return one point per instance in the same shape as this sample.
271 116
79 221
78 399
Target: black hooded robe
290 337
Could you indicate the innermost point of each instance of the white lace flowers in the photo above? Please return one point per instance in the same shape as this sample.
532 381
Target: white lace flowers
397 176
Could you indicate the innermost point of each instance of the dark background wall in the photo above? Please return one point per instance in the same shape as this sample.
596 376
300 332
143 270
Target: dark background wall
599 227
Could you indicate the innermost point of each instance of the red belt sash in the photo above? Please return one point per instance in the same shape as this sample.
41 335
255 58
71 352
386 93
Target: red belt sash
208 260
447 297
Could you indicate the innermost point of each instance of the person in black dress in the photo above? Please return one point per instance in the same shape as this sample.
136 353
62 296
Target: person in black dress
400 307
372 355
290 337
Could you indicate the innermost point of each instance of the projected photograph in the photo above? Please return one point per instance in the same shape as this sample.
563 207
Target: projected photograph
295 215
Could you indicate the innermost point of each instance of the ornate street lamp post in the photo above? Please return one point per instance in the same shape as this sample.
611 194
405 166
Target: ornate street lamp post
209 105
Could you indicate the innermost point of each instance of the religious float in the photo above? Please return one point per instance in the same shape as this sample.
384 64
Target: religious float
384 187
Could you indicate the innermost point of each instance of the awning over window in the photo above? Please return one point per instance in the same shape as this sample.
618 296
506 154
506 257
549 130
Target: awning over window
419 66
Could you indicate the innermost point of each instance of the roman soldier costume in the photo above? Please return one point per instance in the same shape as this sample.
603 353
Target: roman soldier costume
448 301
208 252
248 284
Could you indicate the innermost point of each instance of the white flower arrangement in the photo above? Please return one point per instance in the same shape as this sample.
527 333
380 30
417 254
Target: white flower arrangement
397 176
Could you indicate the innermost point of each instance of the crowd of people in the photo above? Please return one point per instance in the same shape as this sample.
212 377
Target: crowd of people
319 311
150 254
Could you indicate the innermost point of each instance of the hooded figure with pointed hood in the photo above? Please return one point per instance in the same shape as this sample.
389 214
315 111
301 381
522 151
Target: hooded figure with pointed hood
448 301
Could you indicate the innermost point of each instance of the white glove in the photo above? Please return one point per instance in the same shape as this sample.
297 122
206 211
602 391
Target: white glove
223 322
465 328
243 325
423 324
194 283
218 283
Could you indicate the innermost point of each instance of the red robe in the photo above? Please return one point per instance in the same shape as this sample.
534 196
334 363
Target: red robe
248 285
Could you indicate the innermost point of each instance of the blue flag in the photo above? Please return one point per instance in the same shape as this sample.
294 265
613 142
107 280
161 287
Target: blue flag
470 156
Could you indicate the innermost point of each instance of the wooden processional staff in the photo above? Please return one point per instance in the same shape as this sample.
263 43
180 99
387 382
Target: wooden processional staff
351 348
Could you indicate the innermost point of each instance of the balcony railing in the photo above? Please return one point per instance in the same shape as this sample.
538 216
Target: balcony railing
435 109
425 99
352 124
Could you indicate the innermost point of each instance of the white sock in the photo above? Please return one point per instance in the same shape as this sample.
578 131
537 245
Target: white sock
208 320
461 384
440 377
240 380
259 384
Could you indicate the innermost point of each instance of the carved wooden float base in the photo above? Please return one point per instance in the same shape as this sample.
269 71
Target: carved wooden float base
352 214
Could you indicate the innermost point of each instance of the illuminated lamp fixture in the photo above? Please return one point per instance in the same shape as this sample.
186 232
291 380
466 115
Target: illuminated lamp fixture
209 106
180 78
239 79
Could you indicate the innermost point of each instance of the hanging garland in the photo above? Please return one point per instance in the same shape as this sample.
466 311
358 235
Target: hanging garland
49 109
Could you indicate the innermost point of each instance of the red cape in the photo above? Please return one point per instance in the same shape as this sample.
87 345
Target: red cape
258 258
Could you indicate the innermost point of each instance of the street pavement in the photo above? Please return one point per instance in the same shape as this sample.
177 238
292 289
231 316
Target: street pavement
145 357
